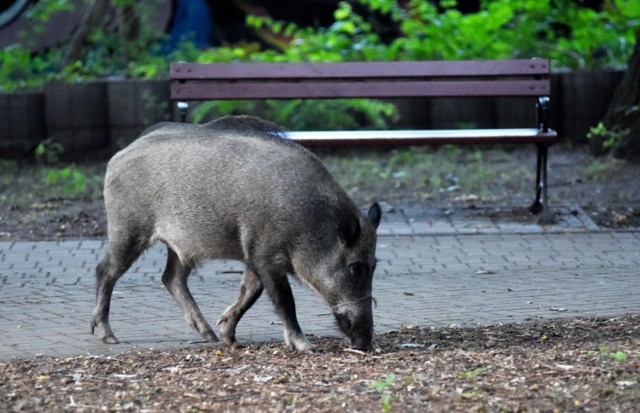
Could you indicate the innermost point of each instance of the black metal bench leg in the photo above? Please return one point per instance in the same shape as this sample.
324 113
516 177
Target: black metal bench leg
539 205
536 207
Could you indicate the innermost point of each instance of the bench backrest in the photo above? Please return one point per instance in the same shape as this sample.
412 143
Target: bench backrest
215 81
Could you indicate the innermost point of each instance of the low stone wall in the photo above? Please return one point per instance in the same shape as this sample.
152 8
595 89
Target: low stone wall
579 100
83 117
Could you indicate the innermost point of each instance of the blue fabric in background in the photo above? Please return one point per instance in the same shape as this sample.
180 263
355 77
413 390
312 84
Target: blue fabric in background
191 20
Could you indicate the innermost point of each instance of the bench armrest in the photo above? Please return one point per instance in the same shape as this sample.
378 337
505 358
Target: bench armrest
543 117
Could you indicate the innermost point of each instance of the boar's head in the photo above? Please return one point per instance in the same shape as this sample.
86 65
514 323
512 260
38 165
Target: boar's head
349 290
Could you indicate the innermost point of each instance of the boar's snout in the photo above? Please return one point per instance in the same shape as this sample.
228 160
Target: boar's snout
357 324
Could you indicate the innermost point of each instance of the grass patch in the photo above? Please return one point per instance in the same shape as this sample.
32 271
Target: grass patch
424 173
23 185
414 174
602 168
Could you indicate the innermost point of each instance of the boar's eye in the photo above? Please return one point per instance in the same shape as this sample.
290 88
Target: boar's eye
359 269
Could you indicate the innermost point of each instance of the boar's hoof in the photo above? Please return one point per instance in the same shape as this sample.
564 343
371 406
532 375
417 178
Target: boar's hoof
203 328
228 340
227 329
110 339
210 336
310 348
301 344
232 342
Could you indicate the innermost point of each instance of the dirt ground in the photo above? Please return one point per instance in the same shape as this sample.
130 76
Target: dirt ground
607 189
542 365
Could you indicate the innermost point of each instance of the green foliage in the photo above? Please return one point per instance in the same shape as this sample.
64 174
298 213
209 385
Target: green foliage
66 182
108 55
603 351
614 134
298 114
42 10
571 35
32 187
105 52
288 399
608 138
382 387
619 355
472 374
20 69
63 181
330 114
48 151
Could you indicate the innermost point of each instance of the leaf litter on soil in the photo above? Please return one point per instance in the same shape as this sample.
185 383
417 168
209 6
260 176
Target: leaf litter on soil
552 365
584 364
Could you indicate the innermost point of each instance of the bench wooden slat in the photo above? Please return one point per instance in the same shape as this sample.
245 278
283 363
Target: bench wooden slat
422 137
381 89
425 79
363 70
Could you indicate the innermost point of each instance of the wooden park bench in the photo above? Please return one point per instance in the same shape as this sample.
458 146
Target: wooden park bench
385 80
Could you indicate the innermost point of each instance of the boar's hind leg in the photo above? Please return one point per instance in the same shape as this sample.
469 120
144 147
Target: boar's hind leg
279 290
250 290
116 262
175 279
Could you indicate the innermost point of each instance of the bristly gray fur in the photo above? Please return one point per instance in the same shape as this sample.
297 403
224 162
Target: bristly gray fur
247 125
237 188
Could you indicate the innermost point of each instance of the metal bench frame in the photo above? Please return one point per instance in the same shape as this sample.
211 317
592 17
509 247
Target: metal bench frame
425 79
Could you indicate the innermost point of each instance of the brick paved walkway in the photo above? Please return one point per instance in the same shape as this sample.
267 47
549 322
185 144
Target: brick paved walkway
436 268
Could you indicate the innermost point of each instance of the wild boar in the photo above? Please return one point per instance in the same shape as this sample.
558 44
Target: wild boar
237 188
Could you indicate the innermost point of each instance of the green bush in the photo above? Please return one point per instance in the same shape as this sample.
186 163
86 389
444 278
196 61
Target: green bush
570 35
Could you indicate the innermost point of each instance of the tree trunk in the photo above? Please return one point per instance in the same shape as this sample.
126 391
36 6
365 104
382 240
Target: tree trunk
97 16
128 30
623 115
93 17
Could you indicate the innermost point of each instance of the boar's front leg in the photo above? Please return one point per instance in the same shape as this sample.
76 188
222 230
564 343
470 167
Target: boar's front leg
250 290
175 279
279 290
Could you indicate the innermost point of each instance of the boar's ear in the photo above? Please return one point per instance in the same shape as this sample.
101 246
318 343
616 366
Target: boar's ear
349 230
375 214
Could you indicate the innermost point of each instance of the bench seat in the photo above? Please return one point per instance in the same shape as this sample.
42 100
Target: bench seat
423 137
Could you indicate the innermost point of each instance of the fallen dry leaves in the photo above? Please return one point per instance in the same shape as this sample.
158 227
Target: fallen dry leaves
553 365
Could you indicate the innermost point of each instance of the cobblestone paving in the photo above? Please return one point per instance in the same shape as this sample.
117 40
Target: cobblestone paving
435 269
